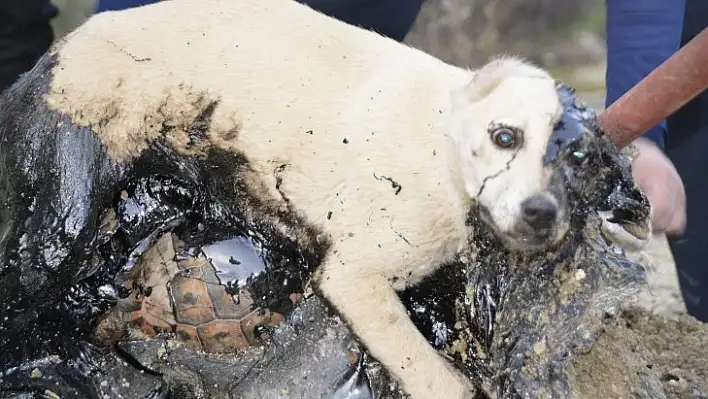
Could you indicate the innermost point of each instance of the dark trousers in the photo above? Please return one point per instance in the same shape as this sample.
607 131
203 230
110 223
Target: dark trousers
25 33
110 5
392 18
687 146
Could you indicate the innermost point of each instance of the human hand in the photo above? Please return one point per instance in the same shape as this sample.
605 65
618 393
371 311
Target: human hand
657 177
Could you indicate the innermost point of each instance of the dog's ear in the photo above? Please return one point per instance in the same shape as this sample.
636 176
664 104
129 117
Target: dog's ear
489 76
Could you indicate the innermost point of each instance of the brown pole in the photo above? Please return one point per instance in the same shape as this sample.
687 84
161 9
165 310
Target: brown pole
664 91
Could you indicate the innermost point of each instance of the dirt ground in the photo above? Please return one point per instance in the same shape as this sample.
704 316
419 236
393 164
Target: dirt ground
676 349
658 347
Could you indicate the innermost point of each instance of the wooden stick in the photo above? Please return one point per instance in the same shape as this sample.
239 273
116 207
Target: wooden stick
664 91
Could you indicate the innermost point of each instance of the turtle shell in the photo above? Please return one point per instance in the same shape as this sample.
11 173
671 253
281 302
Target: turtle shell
184 297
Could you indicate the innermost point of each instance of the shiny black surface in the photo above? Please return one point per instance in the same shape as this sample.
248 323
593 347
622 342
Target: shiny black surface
57 269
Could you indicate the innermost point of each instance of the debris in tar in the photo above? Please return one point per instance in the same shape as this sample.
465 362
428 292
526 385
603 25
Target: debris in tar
394 184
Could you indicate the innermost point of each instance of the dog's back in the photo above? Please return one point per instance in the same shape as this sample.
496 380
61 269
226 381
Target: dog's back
274 55
341 113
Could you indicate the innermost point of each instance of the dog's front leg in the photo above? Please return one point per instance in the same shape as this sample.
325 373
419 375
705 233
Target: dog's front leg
374 312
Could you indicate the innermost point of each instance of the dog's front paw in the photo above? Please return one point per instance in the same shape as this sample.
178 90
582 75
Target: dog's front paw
468 390
444 381
465 389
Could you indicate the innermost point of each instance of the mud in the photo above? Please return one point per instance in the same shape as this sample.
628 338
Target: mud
666 347
676 350
609 370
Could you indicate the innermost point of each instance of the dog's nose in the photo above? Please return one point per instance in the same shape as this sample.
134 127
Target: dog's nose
539 212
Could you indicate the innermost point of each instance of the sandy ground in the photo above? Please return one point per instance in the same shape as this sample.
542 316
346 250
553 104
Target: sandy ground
664 294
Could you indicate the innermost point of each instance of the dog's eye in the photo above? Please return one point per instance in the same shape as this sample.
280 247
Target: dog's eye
504 138
579 156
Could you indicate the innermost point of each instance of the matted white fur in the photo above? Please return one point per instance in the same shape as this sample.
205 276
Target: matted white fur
344 110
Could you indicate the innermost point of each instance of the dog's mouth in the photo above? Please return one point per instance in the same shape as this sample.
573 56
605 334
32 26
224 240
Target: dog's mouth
523 237
526 239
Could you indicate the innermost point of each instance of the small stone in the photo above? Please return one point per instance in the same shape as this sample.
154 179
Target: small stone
617 249
51 395
36 373
580 274
539 347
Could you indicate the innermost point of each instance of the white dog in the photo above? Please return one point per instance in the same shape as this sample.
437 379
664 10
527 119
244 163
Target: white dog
380 148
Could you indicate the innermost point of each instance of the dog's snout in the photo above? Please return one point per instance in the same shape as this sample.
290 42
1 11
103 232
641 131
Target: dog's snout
539 212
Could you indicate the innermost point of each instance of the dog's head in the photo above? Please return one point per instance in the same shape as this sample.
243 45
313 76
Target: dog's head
509 125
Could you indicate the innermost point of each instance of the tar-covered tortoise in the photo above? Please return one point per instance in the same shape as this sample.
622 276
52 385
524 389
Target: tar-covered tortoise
184 296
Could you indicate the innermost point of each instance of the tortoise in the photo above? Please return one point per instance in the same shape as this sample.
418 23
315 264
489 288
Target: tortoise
164 293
